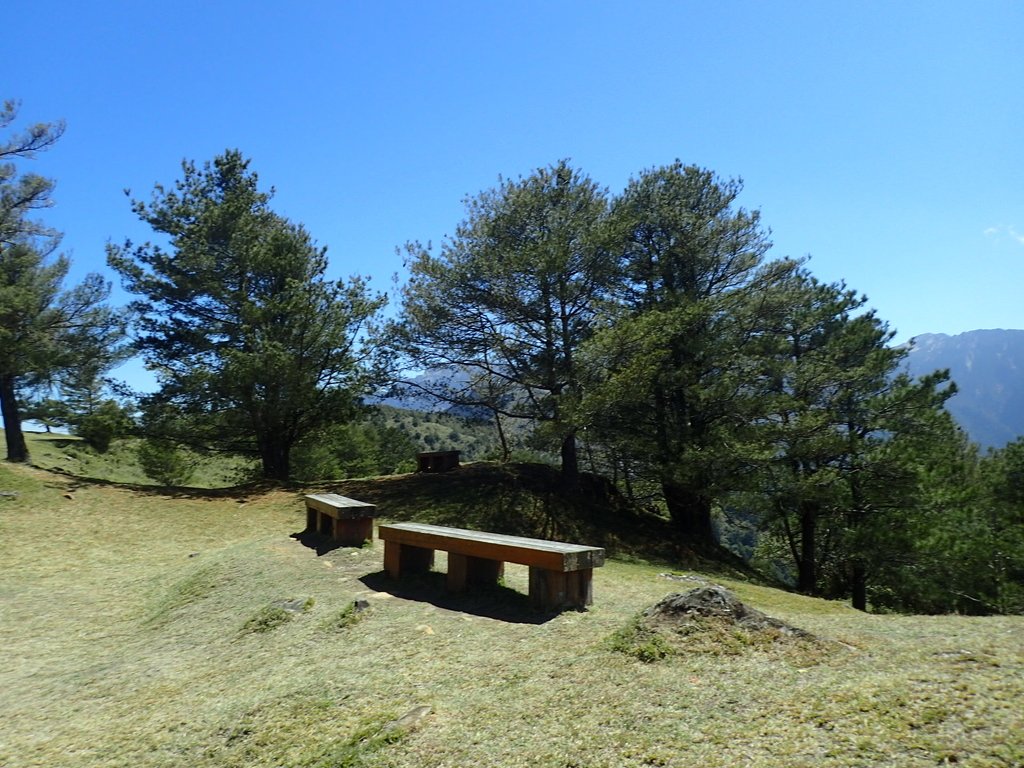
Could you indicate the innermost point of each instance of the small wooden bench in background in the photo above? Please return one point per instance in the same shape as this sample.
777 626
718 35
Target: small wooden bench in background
344 520
560 574
437 461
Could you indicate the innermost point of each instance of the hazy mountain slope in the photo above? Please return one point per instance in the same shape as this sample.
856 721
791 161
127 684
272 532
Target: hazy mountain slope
988 368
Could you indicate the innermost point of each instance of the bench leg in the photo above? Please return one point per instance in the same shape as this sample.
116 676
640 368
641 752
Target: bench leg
403 558
312 518
464 569
353 532
551 590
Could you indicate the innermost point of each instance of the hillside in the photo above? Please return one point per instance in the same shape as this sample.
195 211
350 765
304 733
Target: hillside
150 628
988 368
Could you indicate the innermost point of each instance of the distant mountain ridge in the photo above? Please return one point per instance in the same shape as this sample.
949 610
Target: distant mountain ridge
988 368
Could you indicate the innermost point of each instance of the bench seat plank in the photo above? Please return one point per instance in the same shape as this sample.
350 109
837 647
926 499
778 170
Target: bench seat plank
339 507
549 555
347 521
560 573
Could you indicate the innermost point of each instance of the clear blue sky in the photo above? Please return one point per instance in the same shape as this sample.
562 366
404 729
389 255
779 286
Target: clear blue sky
883 139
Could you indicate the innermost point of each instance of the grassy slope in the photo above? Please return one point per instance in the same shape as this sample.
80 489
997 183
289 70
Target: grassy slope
70 455
123 618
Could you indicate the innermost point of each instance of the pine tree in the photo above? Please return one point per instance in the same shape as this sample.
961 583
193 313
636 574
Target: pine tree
511 297
837 410
253 347
668 368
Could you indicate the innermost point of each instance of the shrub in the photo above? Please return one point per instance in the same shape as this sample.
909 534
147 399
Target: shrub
165 462
103 424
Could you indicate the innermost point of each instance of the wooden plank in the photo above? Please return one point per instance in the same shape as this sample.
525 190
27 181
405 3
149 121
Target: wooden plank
547 589
458 571
551 590
548 555
339 506
393 559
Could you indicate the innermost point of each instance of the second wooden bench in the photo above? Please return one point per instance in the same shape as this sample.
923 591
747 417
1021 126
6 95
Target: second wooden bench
560 574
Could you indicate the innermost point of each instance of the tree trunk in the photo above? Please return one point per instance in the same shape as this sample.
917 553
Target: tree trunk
570 461
275 455
690 512
807 564
859 585
506 454
17 449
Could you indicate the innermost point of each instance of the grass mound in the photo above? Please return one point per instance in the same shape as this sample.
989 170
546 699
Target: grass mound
710 619
517 499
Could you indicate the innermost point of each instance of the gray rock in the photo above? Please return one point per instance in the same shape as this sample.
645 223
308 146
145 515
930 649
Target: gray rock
297 605
715 602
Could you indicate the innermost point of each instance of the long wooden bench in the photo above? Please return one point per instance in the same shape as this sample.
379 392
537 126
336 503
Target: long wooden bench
560 574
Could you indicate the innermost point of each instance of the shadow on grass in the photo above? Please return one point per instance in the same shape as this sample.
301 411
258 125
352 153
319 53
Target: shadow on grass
317 542
241 493
492 601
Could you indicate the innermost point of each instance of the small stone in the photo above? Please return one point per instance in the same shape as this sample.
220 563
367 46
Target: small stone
408 720
297 605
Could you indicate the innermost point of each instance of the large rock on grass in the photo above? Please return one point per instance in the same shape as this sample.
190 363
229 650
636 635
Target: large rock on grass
719 604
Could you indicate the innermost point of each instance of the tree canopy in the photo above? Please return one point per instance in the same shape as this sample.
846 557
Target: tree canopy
512 296
47 334
254 348
668 366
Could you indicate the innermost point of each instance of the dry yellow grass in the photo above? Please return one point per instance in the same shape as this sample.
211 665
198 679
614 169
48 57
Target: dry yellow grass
124 642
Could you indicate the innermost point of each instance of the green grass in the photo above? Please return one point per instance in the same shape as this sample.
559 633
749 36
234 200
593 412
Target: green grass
122 632
70 455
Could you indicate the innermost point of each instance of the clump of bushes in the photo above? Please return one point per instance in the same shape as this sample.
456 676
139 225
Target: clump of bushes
165 462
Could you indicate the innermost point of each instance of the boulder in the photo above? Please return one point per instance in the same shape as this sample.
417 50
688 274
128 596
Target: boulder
716 603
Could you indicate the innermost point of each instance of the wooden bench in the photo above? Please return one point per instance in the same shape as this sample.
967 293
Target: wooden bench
437 461
346 521
560 574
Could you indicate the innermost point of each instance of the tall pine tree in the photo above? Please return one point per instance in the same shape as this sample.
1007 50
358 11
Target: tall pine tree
44 330
668 366
512 296
836 406
253 347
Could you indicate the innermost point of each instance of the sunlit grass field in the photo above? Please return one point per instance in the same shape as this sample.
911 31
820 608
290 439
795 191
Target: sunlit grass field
67 454
149 628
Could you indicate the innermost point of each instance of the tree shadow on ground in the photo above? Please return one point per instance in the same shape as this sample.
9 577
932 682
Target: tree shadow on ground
491 601
241 493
